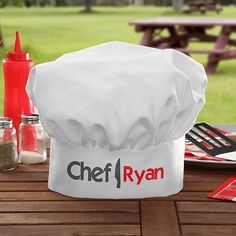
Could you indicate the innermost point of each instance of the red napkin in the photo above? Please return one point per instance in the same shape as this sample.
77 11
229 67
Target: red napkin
226 191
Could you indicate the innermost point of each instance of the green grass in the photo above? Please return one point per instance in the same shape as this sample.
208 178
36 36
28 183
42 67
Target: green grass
48 33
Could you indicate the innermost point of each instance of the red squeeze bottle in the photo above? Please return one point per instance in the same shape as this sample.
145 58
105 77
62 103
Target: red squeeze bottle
16 68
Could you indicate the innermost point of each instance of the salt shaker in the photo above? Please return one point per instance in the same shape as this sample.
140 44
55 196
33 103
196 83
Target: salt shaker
32 148
8 145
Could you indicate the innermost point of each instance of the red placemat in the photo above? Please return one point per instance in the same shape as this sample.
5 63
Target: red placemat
226 191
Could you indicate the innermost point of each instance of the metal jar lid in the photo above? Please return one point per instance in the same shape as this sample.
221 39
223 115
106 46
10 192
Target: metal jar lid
30 119
5 122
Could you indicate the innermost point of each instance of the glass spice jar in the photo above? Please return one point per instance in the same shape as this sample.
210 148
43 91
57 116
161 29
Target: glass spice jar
8 145
32 148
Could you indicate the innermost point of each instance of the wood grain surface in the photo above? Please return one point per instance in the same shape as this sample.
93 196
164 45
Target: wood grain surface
27 207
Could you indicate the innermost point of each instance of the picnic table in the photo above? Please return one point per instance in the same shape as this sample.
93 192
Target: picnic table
182 31
202 6
27 207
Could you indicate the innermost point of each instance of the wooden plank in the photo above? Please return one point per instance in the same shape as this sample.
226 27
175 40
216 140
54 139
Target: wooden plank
68 218
159 218
183 21
229 55
200 187
206 177
33 196
43 176
23 186
52 196
185 196
217 207
26 177
43 186
72 206
147 37
202 51
209 218
220 44
32 168
208 230
73 230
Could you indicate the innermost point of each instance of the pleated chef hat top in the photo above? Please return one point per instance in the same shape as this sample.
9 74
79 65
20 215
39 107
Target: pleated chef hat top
118 96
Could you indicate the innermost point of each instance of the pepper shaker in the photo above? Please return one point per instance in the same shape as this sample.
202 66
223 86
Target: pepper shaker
8 145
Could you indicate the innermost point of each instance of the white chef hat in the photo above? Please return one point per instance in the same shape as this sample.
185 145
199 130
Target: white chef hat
117 101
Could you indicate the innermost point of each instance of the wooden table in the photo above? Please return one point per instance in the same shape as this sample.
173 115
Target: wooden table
27 207
202 6
181 31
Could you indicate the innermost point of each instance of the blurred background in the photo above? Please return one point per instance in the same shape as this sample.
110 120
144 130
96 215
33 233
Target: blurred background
50 28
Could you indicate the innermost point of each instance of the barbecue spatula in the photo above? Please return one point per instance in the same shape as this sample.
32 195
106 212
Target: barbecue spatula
211 141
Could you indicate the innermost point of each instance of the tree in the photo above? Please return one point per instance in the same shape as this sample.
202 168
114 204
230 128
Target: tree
52 3
88 5
138 2
38 3
178 4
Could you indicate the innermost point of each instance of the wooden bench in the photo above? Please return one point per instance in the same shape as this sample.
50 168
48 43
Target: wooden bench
202 6
182 31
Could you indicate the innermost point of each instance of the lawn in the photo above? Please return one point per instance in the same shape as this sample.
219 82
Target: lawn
48 33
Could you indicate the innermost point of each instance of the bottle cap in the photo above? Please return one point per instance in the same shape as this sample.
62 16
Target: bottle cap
30 119
17 54
5 122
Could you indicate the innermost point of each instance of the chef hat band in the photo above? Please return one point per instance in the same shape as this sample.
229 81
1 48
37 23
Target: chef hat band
85 172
